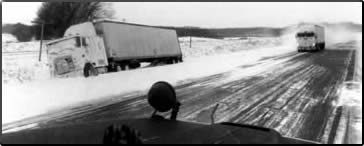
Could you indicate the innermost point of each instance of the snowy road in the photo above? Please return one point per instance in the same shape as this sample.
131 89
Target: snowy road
294 95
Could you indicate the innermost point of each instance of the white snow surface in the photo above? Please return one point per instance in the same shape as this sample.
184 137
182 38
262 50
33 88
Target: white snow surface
207 46
350 98
20 67
27 99
8 38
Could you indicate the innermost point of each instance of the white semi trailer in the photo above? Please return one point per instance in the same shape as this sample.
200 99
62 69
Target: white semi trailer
104 46
310 37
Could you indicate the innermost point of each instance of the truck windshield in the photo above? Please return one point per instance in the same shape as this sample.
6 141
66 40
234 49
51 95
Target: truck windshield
73 42
305 34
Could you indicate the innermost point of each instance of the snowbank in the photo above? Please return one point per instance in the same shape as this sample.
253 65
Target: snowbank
24 67
21 46
32 98
207 46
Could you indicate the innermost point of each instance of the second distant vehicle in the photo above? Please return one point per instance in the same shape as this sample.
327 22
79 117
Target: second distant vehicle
104 46
310 37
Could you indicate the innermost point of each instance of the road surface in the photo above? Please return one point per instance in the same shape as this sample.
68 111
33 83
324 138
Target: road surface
295 97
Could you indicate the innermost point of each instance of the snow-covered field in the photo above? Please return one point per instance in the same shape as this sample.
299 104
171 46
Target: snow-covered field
23 99
20 61
207 46
23 67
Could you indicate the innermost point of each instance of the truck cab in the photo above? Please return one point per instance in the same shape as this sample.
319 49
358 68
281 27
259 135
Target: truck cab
75 55
310 38
306 40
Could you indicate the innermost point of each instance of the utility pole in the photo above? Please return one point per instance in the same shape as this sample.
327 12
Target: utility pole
190 37
41 37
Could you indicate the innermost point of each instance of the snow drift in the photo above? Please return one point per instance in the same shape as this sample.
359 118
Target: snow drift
62 93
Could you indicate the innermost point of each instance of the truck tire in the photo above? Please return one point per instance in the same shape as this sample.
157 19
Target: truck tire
167 61
90 70
118 68
134 64
323 46
171 61
126 67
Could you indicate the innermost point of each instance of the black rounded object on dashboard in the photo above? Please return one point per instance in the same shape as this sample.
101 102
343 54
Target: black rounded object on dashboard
162 96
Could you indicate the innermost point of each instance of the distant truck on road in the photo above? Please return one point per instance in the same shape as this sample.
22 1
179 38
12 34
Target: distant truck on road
104 46
310 37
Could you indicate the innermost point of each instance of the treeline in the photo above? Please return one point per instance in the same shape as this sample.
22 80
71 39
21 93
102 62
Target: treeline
227 32
26 33
22 32
57 17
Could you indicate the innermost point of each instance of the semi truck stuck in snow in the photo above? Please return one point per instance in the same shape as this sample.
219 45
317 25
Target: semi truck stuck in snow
310 38
104 46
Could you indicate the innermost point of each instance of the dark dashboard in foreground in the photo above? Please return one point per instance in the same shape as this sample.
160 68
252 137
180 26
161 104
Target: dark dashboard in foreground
153 131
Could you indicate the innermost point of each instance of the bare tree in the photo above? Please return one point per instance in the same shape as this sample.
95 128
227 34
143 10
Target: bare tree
60 15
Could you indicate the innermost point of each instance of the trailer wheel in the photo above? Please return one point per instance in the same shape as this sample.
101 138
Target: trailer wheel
118 68
126 67
90 70
323 46
134 64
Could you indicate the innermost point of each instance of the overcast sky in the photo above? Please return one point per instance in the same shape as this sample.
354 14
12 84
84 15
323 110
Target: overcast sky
211 14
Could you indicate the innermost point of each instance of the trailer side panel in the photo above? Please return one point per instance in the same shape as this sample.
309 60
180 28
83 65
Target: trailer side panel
126 41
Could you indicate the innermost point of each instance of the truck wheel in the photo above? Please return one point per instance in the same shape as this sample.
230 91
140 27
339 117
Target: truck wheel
127 67
118 68
167 61
323 46
138 65
89 70
134 64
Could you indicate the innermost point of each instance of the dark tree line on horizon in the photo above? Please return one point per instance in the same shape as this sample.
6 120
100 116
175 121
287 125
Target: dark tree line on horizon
57 17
